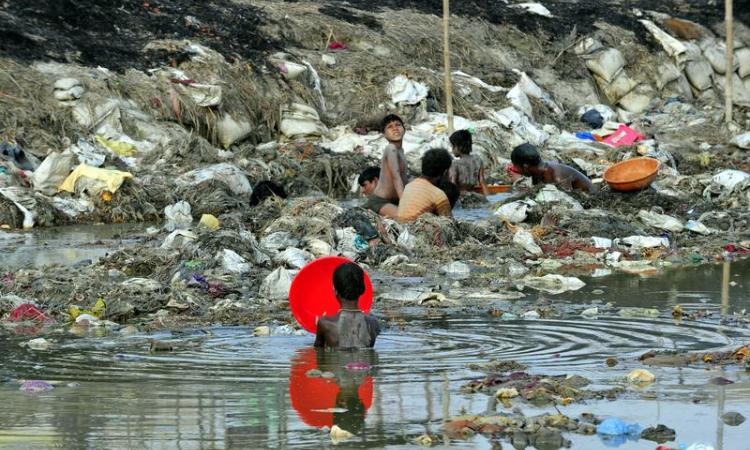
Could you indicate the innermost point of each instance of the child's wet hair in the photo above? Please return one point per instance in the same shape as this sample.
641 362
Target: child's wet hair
451 191
526 154
461 139
388 119
368 174
435 162
264 190
349 281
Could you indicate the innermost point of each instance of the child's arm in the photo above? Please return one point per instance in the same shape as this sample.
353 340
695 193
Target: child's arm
453 174
320 339
485 191
391 159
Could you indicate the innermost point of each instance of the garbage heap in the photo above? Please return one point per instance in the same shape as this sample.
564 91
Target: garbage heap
178 132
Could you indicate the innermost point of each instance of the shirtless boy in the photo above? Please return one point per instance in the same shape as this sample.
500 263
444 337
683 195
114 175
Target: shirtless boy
350 328
384 199
467 171
529 162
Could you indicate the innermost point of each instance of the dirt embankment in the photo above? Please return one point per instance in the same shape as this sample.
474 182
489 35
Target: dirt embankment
113 34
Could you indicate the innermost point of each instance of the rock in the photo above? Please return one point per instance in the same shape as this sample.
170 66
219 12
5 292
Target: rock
733 418
658 434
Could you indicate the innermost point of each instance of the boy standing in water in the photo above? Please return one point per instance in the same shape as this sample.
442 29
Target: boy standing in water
467 171
384 199
350 328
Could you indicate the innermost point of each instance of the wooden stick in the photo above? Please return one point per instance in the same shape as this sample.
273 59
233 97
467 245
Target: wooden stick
447 66
728 19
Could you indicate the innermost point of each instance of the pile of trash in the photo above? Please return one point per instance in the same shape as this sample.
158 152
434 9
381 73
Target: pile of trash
179 130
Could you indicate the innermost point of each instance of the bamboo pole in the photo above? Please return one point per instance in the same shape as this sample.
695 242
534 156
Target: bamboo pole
447 65
728 19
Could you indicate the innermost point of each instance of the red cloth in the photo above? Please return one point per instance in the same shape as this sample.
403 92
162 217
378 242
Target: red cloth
27 311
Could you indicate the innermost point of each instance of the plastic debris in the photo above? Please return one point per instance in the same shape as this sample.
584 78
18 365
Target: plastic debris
507 393
661 221
514 212
99 180
339 435
640 376
178 216
38 344
456 269
554 284
277 284
403 90
525 240
641 242
36 386
27 312
232 262
209 222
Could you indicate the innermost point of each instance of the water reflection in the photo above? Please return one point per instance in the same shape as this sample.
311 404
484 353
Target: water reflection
342 396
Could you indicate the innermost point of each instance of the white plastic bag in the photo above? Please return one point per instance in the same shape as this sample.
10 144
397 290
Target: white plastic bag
277 284
525 240
232 262
515 212
661 221
294 258
52 172
406 91
554 284
178 216
229 174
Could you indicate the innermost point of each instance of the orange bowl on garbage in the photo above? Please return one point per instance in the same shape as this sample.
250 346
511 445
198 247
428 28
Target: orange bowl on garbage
632 174
494 188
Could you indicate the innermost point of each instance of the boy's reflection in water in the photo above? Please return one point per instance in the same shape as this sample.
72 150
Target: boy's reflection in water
342 400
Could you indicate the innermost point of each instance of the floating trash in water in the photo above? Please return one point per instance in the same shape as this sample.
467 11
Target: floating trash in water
36 386
357 366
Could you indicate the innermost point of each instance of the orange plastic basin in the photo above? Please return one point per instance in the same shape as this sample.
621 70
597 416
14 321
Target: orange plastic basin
632 174
494 188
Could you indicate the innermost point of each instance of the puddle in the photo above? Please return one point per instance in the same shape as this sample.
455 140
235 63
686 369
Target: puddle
224 388
65 245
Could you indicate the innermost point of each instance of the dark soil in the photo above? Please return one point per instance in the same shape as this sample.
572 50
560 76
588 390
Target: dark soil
113 34
581 13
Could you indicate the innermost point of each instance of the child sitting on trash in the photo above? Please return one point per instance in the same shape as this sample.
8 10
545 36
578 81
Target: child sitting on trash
422 195
467 172
385 197
350 328
528 161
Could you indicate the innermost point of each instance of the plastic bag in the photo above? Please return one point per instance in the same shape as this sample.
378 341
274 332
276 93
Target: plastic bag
178 216
661 221
406 91
52 172
229 174
525 240
294 258
515 212
232 262
554 284
276 285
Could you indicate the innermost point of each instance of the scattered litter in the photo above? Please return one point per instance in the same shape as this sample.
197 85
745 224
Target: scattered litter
641 376
554 284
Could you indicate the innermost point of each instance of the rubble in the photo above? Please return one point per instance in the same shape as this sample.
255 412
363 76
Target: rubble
175 126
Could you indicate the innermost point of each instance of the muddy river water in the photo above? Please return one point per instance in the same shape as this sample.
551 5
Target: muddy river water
221 387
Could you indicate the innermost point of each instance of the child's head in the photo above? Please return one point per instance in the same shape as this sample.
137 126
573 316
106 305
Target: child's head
461 142
435 162
368 179
525 156
264 190
451 191
349 282
392 128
